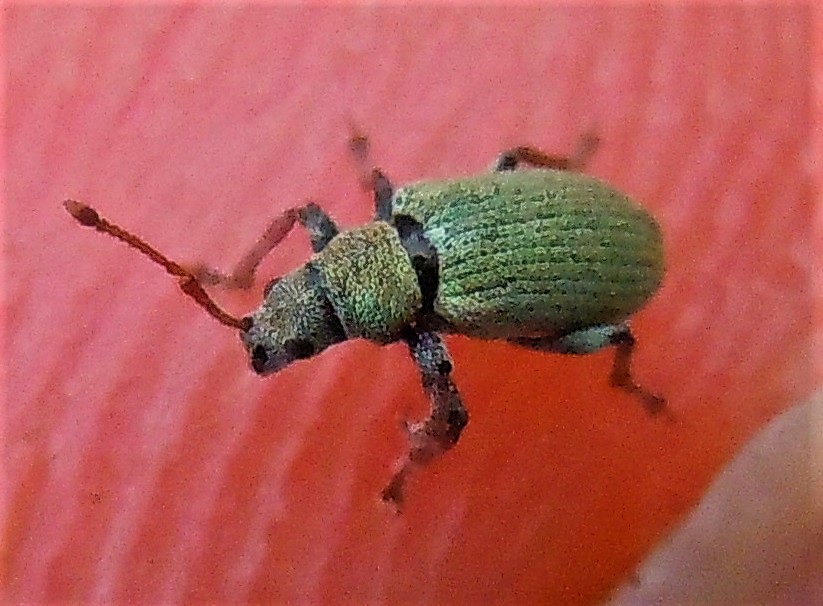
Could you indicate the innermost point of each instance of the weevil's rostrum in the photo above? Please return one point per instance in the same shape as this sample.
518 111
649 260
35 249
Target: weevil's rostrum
545 258
296 322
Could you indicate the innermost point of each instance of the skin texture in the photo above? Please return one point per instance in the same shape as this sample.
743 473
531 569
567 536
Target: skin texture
757 535
144 461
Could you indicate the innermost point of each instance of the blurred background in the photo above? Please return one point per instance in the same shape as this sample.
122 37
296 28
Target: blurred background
145 462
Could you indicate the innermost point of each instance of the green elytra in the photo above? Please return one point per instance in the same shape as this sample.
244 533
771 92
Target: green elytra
537 253
546 258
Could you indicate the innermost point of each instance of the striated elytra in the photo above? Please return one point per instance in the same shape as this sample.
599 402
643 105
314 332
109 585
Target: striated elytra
546 258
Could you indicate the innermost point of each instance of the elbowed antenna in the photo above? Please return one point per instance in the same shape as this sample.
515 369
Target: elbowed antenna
188 282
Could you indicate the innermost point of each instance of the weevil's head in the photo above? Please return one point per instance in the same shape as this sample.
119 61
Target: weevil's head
295 321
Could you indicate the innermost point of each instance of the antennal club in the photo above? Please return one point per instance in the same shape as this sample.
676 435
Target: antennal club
188 282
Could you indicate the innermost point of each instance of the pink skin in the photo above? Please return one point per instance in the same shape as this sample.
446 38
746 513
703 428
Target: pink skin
145 462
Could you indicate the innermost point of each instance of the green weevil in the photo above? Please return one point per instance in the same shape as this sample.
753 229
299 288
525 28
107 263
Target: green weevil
545 258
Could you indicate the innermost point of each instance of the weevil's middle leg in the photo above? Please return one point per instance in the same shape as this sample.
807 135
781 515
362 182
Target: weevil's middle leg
372 179
514 157
441 430
319 225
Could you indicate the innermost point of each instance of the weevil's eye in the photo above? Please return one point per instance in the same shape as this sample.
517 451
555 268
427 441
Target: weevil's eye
247 322
299 349
259 358
267 288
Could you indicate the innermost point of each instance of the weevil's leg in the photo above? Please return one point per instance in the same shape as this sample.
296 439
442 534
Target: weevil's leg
590 340
319 225
372 179
621 375
512 158
321 230
383 194
579 342
441 430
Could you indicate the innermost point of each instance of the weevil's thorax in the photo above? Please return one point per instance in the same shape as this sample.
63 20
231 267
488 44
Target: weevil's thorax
295 321
368 277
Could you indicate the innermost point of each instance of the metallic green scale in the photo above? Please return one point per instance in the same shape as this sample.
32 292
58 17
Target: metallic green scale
535 253
370 282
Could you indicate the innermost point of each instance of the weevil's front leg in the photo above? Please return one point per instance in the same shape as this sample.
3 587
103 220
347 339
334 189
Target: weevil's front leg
319 225
512 158
441 430
372 179
592 339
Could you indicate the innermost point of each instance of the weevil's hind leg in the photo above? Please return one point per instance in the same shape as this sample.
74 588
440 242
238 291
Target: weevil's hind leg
441 430
621 375
372 179
590 340
514 157
319 225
